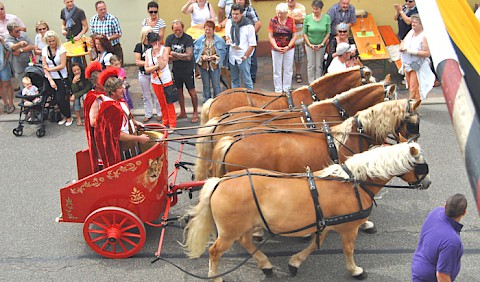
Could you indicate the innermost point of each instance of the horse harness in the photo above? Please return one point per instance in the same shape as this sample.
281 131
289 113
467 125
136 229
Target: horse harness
320 221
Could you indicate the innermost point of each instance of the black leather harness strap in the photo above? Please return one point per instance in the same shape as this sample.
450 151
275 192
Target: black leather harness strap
313 94
290 99
362 73
332 149
360 130
341 110
256 200
308 117
319 219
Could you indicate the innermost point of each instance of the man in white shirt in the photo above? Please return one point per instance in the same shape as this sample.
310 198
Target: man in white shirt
339 63
240 35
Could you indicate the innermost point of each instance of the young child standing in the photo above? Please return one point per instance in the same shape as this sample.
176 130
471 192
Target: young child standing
117 63
80 87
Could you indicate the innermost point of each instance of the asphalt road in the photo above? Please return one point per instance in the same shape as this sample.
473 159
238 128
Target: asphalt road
36 248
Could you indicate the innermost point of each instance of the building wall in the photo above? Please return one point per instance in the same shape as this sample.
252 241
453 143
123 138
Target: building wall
131 12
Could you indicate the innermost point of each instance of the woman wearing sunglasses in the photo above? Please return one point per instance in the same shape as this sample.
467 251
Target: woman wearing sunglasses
341 37
402 16
157 24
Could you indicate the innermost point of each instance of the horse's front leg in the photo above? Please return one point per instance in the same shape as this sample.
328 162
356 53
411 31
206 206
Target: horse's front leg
263 262
216 251
297 259
348 241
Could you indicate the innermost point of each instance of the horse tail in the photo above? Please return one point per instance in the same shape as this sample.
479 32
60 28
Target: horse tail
218 155
201 223
205 111
204 148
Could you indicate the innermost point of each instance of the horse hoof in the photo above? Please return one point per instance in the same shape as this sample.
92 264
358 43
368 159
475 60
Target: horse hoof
293 270
268 272
257 238
372 230
361 276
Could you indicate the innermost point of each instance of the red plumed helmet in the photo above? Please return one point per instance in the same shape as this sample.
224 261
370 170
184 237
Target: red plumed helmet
93 66
106 73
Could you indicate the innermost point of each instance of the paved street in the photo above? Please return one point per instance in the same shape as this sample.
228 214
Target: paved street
36 248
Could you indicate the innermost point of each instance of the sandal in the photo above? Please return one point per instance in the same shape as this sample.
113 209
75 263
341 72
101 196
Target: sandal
11 109
195 119
298 78
79 123
147 119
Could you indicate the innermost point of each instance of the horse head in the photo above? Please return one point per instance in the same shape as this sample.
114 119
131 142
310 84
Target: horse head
410 125
418 176
366 74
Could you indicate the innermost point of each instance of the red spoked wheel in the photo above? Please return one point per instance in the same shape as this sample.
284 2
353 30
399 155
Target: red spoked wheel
114 232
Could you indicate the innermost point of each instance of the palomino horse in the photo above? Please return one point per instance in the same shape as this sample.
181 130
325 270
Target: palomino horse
291 151
334 109
338 198
322 88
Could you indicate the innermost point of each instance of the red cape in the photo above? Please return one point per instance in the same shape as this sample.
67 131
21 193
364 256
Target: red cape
92 95
107 132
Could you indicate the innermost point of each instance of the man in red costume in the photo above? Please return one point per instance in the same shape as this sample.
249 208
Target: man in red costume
91 102
115 125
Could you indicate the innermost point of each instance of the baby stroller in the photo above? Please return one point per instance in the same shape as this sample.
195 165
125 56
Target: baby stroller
36 113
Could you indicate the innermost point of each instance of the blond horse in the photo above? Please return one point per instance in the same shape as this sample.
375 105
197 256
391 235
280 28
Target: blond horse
292 151
331 110
322 88
239 202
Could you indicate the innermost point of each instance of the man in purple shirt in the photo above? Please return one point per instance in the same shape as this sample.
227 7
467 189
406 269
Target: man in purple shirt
342 12
440 247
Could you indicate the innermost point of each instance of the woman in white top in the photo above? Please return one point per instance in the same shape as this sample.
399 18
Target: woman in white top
41 28
156 64
416 62
157 24
104 50
200 10
54 62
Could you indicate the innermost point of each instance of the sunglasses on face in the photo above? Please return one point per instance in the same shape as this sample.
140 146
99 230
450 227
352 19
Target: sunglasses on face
409 1
342 31
41 29
153 12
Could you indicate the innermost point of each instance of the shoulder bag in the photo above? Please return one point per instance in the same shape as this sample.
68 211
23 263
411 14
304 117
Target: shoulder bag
171 91
68 89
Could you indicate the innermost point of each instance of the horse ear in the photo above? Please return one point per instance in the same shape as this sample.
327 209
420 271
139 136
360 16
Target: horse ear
387 80
413 151
417 104
402 139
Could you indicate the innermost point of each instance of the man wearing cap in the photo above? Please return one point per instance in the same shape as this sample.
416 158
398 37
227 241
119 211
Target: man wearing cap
339 63
342 12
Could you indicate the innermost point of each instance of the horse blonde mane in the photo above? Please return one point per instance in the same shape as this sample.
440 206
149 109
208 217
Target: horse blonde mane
382 119
381 162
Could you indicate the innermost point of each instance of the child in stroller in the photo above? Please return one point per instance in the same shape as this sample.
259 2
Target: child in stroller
30 94
36 101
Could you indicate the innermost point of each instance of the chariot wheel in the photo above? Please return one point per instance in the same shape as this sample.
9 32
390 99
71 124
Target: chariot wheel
18 131
114 232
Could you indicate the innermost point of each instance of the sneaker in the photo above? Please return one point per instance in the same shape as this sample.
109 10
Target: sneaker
404 82
68 123
62 122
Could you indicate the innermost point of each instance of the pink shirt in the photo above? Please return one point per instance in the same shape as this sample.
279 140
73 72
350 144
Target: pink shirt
9 18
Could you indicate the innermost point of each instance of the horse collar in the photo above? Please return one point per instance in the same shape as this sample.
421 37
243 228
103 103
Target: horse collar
341 110
308 117
313 94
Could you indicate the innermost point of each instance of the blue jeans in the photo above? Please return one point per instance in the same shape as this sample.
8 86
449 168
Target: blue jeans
214 77
242 70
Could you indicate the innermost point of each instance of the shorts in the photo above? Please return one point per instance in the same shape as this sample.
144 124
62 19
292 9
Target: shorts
186 78
299 53
6 73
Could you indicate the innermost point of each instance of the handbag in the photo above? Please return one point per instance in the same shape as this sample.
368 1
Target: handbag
171 91
68 88
416 65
